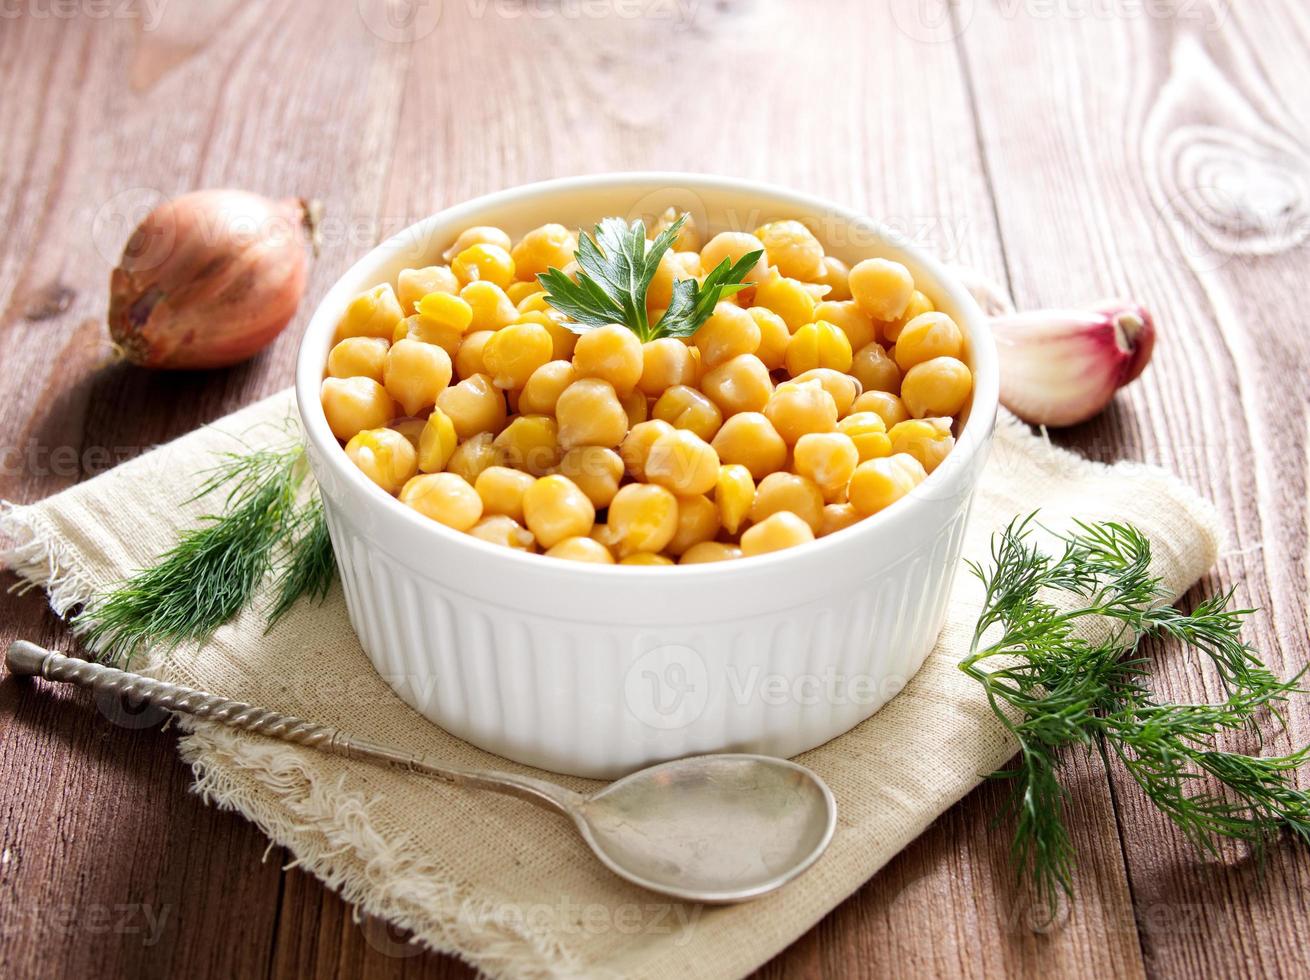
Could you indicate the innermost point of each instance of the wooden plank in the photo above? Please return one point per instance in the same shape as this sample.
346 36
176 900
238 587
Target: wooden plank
99 824
1170 166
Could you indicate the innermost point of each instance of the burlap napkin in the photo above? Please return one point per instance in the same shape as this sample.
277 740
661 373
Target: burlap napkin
507 886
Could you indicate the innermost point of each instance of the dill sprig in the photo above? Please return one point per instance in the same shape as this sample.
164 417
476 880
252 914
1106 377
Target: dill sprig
1071 674
214 570
310 566
615 267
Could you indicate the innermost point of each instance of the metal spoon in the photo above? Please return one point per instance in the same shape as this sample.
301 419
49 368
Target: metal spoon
709 828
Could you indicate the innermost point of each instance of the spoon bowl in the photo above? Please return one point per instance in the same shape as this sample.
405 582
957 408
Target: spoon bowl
712 828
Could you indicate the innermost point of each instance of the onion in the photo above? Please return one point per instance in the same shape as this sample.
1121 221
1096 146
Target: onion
208 279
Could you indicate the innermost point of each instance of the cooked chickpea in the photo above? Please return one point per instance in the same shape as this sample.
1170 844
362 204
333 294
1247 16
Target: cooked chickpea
445 498
423 330
781 530
818 345
474 405
489 305
827 459
477 235
596 470
664 363
874 368
884 404
660 290
642 517
565 341
358 357
835 274
837 517
470 359
698 520
850 319
529 443
683 462
688 235
925 337
590 414
927 440
879 483
581 549
374 313
504 531
796 409
882 288
555 509
415 374
774 337
788 492
611 353
636 445
501 489
385 456
413 284
734 492
411 429
792 248
786 297
733 246
684 407
708 551
521 290
355 404
636 406
484 263
869 434
514 352
447 310
751 440
544 386
472 456
939 386
550 246
918 305
646 558
728 332
739 385
436 442
840 386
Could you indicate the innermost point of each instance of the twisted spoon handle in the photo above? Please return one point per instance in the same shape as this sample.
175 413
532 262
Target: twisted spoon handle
28 659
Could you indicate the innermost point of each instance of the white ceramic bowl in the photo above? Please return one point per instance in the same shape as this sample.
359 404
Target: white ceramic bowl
598 670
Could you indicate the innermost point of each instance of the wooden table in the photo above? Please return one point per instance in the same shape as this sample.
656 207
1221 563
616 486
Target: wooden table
1072 149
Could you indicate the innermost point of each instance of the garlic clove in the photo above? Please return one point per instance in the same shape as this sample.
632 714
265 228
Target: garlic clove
1061 367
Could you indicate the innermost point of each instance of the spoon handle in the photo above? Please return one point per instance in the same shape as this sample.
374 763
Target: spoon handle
28 659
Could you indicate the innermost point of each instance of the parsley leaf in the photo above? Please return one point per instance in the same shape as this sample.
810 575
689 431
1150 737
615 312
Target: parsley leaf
615 268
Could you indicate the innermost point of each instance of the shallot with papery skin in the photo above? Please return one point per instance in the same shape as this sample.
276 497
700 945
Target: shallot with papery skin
1061 367
208 279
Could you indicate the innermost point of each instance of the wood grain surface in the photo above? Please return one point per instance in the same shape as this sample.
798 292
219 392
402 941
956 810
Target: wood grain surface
1070 149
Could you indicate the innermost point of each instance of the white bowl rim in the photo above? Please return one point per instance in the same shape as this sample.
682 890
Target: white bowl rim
973 438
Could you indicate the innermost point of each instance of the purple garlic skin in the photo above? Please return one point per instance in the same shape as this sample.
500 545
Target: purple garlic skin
1061 367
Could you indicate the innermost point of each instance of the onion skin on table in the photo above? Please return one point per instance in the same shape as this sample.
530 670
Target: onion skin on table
1061 367
209 279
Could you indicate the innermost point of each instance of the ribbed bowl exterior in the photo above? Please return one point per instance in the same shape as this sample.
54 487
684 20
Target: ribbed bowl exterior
599 670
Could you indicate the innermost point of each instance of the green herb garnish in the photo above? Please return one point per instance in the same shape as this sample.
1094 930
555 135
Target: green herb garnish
1053 686
616 265
213 571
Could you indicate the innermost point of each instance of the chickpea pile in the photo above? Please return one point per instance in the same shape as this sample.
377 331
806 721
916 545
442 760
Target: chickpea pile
818 395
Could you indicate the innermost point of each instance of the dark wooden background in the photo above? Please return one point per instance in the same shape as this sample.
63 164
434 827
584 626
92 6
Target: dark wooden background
1073 149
